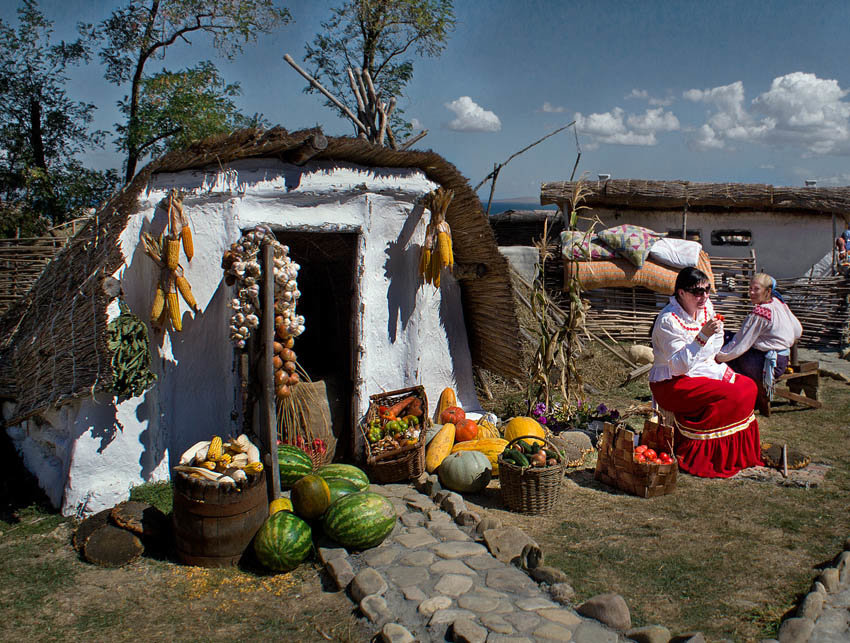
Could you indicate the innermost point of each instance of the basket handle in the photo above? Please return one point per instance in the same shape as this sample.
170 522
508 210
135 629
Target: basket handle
561 456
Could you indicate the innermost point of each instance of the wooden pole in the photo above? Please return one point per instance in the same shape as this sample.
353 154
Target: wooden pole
834 237
685 222
268 419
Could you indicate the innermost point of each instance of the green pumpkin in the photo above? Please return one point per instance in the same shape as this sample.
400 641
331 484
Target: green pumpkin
465 471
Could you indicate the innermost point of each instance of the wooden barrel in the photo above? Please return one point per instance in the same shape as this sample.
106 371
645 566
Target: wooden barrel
214 524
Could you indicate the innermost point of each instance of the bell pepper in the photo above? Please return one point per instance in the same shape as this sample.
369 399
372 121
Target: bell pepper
393 427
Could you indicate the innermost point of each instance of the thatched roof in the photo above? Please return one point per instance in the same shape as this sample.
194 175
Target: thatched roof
642 194
53 342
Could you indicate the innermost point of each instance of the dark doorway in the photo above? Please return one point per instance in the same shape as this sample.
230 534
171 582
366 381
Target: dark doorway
324 349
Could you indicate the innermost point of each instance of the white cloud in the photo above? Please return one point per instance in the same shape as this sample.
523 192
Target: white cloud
416 124
642 94
470 117
549 108
799 110
616 128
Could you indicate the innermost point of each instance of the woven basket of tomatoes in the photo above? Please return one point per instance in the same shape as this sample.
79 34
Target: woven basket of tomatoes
646 469
394 434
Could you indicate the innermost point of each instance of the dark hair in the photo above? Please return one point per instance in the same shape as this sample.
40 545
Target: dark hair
688 278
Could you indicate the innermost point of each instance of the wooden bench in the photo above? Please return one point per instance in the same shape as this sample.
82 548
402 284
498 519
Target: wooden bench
800 385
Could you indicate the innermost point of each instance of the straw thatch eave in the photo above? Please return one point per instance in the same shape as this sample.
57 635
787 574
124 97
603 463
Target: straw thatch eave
641 194
53 342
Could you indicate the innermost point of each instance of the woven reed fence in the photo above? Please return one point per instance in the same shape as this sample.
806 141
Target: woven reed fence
638 193
822 305
53 343
21 262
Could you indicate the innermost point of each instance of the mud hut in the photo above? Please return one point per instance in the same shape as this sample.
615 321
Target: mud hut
350 212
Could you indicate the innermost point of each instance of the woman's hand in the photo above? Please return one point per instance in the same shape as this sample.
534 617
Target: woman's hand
711 327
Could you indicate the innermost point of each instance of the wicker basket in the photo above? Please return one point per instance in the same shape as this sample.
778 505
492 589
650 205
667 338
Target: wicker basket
616 464
402 464
530 490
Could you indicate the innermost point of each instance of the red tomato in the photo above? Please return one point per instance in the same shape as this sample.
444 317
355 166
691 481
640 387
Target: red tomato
650 454
467 430
639 458
666 458
452 415
641 448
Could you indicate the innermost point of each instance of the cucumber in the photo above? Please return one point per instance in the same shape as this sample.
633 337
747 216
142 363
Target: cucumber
516 457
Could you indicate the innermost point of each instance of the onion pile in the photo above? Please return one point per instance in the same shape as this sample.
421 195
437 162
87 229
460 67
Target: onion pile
242 268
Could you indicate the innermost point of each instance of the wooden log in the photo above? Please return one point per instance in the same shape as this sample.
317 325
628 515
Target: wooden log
268 423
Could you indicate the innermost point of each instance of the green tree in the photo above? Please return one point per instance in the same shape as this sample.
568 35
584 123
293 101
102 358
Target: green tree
379 36
42 129
142 31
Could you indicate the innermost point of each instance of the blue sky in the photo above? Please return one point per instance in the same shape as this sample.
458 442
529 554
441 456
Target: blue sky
750 91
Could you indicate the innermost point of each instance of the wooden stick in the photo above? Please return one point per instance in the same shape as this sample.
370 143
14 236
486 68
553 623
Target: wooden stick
410 141
785 460
315 83
268 423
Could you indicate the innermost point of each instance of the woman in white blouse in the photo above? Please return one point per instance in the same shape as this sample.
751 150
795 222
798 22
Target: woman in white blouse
716 433
761 349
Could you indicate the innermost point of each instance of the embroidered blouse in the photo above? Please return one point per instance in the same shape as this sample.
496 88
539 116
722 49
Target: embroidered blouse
680 348
769 327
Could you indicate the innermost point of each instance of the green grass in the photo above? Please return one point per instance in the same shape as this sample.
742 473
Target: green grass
158 494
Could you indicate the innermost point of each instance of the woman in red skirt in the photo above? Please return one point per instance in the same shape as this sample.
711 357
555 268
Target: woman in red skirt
717 434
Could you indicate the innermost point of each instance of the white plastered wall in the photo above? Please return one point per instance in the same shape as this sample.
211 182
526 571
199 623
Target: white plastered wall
89 453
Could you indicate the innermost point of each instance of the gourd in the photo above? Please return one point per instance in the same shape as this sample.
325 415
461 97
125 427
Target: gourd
311 497
487 429
466 471
293 463
440 447
280 504
491 447
360 520
447 399
349 472
283 541
520 426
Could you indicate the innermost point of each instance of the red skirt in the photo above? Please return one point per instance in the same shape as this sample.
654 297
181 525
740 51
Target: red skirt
717 434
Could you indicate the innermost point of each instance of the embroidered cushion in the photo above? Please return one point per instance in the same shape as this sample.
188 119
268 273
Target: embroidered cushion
582 246
631 242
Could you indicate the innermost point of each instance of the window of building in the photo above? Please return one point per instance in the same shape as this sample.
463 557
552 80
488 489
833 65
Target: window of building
691 235
731 238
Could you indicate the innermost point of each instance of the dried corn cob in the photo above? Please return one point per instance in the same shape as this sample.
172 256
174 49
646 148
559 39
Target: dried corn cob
185 289
158 304
214 452
207 464
444 244
171 252
424 260
173 306
254 467
188 243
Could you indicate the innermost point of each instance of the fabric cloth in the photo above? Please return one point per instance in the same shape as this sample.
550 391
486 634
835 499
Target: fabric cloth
582 246
716 432
679 253
631 242
619 273
769 326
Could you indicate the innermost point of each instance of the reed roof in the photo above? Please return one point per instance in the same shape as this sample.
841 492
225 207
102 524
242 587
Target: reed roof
53 341
644 194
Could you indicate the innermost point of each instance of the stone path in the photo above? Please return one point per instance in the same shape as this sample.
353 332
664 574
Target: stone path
446 573
435 578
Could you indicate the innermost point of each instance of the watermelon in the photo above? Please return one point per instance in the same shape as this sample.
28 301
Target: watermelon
283 542
340 487
360 520
311 497
346 472
294 464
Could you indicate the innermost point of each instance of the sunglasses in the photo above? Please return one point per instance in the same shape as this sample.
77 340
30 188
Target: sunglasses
697 291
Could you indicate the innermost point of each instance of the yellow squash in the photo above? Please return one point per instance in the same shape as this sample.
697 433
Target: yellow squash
447 399
521 426
439 447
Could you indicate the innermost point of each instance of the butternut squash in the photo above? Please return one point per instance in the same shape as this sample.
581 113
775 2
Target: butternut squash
439 447
447 399
491 447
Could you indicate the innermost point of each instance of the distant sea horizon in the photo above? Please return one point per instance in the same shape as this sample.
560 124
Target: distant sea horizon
522 203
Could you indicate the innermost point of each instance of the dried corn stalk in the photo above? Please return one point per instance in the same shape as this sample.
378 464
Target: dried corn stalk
437 250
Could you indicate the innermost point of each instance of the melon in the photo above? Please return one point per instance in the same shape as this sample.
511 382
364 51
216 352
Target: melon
340 487
346 472
360 520
310 497
293 463
283 542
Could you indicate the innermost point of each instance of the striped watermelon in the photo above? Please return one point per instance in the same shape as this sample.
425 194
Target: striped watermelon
346 472
293 463
283 542
360 520
340 487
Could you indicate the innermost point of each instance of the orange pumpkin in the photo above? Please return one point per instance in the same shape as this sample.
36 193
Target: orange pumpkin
452 415
466 430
